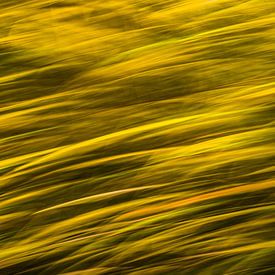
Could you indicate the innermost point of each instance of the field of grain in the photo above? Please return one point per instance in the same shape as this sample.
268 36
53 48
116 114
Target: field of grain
137 137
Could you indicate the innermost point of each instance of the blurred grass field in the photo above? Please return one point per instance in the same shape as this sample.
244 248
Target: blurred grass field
137 137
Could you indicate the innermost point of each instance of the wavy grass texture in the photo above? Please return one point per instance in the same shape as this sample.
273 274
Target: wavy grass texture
137 137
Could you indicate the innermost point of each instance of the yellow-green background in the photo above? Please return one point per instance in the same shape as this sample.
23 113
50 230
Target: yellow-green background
136 137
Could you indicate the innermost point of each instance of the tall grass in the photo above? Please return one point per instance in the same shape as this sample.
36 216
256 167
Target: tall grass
136 137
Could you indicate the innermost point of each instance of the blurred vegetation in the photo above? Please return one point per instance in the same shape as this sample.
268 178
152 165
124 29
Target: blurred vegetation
136 137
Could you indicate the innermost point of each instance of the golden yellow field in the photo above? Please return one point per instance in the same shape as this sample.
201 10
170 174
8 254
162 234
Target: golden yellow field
137 137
